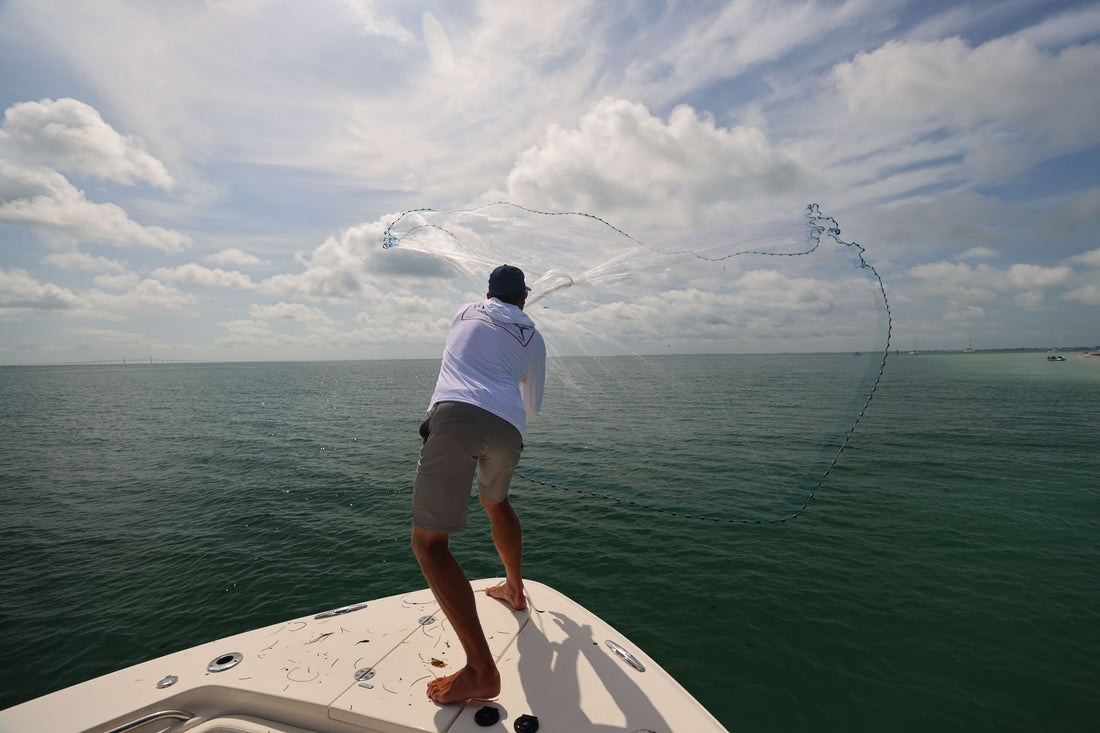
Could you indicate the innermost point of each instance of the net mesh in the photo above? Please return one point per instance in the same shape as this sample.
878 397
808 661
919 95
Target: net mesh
715 374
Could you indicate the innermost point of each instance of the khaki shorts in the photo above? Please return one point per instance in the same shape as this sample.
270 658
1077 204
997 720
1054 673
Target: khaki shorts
461 438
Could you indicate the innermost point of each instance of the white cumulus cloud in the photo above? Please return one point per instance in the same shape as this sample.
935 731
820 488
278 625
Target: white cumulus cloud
234 257
622 160
133 294
41 141
298 313
1087 295
979 253
21 292
1088 259
999 96
70 136
339 269
83 261
195 274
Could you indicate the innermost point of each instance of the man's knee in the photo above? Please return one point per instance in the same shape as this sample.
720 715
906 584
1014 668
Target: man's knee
500 511
426 544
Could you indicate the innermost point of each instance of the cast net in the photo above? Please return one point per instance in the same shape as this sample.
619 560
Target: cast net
716 375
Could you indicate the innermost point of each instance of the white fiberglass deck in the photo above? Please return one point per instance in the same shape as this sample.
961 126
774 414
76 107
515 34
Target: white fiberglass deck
365 671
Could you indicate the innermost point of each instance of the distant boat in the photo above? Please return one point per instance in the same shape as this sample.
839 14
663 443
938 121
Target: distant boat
969 349
1056 357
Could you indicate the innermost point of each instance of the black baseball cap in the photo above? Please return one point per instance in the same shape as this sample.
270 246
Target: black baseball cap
507 280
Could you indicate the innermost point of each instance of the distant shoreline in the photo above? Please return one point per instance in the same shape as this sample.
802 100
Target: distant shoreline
1078 351
1082 351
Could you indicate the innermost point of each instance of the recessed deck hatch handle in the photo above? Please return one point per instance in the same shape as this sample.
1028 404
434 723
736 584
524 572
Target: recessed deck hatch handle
624 655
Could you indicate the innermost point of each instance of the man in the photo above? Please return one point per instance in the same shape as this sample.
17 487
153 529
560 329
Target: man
490 385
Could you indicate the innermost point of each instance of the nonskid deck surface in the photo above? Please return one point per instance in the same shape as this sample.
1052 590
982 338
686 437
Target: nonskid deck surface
365 669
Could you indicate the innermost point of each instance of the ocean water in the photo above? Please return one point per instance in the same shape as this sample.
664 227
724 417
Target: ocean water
946 575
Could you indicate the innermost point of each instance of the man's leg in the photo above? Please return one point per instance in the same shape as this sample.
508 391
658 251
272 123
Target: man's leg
508 538
479 678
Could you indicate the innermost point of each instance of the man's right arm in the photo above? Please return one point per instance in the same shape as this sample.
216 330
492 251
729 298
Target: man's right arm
534 381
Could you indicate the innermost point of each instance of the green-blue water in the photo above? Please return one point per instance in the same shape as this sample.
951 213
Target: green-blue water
946 576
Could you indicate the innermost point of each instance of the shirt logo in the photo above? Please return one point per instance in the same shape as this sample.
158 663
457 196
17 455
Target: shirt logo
522 332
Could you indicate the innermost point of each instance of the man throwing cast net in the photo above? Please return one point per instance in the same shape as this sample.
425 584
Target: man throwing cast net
490 385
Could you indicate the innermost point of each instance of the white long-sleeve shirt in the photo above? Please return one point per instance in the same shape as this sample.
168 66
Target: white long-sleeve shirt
494 359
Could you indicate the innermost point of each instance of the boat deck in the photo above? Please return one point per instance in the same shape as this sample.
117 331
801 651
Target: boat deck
364 669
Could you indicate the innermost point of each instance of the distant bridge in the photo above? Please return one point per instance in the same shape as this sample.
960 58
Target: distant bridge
124 361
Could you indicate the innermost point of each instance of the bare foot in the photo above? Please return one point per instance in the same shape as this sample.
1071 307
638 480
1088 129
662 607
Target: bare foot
465 684
513 597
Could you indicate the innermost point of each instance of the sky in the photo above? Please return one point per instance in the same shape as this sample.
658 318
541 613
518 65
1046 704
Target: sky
211 180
